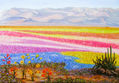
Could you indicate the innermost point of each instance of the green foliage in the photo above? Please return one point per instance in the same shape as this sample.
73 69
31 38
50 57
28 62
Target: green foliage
107 61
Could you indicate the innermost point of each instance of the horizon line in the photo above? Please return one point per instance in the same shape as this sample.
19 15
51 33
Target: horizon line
60 8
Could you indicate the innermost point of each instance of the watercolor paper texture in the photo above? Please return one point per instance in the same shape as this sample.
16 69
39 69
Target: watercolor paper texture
59 41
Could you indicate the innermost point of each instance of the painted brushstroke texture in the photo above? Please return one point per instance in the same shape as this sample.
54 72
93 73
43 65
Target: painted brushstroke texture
86 34
88 58
25 49
27 39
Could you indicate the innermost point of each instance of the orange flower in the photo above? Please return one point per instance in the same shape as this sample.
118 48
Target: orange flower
8 62
38 65
37 71
15 74
13 69
50 73
30 71
44 71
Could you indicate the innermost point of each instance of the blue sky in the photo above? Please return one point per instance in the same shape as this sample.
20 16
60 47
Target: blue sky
38 4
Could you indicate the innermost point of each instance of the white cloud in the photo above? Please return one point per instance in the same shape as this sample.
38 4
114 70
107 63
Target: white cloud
1 13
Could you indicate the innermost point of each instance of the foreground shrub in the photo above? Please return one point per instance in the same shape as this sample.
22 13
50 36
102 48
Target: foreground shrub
6 77
34 66
30 65
33 70
7 72
13 71
106 64
47 73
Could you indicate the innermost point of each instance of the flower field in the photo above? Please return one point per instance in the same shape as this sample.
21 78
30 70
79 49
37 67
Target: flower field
31 39
41 53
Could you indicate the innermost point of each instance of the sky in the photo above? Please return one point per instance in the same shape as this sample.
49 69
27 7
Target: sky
38 4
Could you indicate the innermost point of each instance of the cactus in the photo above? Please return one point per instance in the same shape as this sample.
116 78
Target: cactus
106 62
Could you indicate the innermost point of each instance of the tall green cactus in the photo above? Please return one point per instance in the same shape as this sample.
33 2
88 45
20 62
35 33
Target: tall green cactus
107 61
110 53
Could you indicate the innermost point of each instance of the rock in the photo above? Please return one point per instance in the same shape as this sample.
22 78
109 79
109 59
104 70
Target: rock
101 70
109 73
114 73
117 70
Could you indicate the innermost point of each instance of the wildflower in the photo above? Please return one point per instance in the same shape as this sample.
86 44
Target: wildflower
22 62
38 65
32 58
13 69
46 72
9 58
43 75
40 58
3 60
29 61
23 57
28 58
8 62
37 56
8 55
27 54
15 62
37 71
2 65
30 72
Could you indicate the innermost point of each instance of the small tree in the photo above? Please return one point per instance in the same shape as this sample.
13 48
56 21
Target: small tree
34 66
13 71
47 73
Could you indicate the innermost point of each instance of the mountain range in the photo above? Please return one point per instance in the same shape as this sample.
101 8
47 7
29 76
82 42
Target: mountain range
60 17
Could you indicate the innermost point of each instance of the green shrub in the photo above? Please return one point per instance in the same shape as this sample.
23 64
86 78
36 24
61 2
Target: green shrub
106 62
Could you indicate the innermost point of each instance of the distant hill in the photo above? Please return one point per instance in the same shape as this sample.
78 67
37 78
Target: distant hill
61 17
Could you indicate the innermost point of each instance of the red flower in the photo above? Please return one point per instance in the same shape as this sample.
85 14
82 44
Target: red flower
43 75
50 73
8 62
8 55
3 59
2 65
13 69
9 58
44 71
47 71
